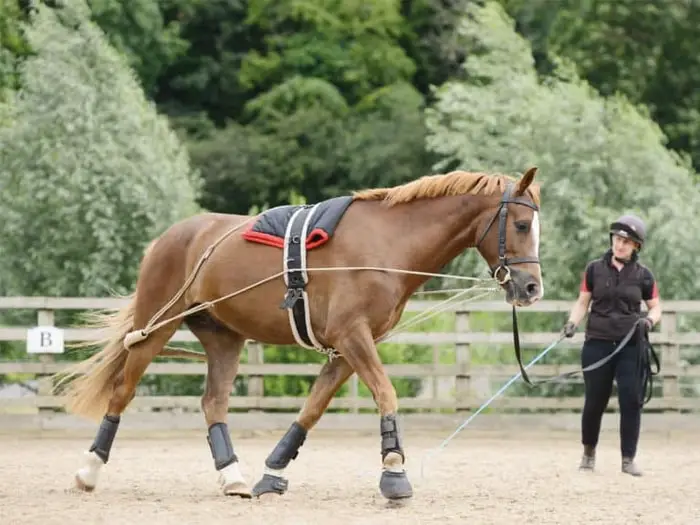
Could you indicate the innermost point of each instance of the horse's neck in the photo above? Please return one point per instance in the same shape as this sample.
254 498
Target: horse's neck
439 229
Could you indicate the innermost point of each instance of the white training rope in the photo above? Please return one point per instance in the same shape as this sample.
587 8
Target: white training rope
443 291
139 335
397 270
439 308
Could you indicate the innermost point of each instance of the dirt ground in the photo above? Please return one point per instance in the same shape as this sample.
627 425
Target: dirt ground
478 478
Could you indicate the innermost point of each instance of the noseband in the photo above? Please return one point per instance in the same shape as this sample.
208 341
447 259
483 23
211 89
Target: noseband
502 214
505 262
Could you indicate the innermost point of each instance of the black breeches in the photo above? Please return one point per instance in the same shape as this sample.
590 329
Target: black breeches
624 368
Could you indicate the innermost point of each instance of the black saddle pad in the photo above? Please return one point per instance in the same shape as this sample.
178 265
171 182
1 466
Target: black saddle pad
271 226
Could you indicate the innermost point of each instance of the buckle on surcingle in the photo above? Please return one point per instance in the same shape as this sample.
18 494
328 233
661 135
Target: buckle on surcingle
291 297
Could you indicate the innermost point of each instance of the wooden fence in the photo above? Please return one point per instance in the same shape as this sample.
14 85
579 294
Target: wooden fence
678 349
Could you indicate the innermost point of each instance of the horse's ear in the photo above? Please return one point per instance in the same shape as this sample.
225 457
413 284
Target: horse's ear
525 181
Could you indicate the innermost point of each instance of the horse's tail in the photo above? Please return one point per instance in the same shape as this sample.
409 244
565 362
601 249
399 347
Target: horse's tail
91 382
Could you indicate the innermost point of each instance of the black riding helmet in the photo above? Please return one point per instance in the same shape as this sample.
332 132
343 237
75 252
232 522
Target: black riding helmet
630 227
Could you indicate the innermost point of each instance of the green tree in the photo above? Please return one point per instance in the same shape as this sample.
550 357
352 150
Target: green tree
90 172
315 108
643 50
253 173
12 45
368 158
5 110
432 41
350 43
303 136
138 29
598 156
205 78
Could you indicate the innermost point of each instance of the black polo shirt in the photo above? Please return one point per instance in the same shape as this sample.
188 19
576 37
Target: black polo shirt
616 296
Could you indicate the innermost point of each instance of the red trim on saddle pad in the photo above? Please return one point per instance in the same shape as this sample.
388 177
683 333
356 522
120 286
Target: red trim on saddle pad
263 238
314 239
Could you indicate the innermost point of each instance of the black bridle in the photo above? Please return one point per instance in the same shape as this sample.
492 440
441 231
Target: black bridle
505 262
502 214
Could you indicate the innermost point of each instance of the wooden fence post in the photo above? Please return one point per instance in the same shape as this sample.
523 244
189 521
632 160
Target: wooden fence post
436 379
256 383
355 394
45 386
463 361
670 356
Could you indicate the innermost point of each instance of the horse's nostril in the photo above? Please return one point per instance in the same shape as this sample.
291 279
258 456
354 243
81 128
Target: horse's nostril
531 289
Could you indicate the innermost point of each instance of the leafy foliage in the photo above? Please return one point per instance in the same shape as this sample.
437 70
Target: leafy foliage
349 41
12 44
90 172
643 50
238 177
599 157
432 40
205 77
138 30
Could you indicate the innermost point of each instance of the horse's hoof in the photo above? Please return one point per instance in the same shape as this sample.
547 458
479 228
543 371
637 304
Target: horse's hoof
395 485
232 482
237 489
80 484
87 476
270 484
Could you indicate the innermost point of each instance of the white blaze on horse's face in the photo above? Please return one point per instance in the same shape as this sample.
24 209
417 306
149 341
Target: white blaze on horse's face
535 229
536 232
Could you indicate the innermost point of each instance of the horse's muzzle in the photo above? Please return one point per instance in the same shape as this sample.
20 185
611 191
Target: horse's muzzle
523 288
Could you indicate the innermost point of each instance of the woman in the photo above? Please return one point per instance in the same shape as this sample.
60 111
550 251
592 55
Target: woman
614 286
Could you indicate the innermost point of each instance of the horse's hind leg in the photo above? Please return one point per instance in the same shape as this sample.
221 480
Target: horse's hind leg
223 348
332 376
124 385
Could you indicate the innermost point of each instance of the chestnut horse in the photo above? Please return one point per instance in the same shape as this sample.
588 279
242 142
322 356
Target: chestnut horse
203 272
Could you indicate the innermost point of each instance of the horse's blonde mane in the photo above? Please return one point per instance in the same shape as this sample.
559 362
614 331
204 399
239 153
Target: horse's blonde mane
453 183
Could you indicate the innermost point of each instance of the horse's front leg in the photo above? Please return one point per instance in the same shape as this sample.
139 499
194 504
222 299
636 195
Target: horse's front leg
359 350
332 376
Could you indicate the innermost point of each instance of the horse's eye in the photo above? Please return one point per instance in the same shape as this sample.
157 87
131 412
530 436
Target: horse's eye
522 226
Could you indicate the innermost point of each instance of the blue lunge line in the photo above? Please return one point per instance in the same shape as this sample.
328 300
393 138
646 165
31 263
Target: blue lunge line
487 403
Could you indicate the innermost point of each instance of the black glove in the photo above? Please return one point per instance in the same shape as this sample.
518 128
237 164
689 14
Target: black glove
569 329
